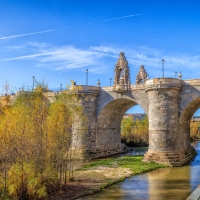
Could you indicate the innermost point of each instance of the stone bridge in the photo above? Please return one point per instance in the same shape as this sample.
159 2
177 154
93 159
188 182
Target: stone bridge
168 102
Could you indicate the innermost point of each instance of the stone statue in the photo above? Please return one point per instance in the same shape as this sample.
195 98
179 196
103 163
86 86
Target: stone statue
142 76
122 75
180 75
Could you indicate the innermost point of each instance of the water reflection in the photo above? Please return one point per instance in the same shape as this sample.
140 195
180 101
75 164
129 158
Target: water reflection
163 184
171 183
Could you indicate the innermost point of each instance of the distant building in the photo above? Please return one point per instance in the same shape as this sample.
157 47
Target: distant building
135 116
195 119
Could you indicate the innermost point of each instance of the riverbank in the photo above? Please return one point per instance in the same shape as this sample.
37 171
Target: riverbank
98 175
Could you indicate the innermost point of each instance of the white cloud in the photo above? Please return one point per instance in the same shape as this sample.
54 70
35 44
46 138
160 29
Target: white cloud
101 59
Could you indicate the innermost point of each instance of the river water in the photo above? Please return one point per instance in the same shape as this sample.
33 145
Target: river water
163 184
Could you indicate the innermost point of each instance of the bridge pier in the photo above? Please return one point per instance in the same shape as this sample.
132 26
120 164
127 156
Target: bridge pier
102 135
165 144
88 98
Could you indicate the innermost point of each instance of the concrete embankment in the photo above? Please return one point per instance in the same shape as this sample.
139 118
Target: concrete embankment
195 195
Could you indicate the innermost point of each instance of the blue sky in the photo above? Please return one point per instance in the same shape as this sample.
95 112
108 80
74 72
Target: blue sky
59 39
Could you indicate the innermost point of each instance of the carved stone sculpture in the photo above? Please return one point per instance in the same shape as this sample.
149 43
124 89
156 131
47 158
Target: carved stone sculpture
122 76
180 75
142 76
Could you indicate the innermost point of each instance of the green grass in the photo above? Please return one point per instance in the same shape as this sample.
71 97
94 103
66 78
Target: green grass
136 165
132 162
106 162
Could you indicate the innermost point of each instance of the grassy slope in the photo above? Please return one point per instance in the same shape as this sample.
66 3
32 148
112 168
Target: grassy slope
121 168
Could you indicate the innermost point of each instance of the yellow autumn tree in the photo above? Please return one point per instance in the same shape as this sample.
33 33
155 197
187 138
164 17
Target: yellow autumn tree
194 127
26 126
64 114
38 144
135 132
59 138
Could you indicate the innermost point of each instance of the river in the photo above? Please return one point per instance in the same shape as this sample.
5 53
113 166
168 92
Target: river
175 183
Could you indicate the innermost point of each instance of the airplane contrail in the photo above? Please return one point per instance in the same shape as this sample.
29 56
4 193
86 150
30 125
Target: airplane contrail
21 35
46 31
122 17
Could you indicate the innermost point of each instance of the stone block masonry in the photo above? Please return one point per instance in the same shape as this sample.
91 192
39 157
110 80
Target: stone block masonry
162 99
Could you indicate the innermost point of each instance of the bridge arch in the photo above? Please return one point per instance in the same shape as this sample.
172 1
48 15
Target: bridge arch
185 119
109 122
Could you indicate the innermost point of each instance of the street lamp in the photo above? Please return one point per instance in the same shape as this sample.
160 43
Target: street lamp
110 81
98 83
86 76
175 73
33 81
163 68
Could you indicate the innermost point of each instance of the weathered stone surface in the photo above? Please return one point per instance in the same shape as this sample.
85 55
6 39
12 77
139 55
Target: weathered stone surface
142 76
169 104
122 75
